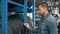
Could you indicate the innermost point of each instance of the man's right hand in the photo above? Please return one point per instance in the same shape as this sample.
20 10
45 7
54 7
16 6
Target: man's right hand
27 25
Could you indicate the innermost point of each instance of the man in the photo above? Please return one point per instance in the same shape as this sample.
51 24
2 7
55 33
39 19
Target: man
47 24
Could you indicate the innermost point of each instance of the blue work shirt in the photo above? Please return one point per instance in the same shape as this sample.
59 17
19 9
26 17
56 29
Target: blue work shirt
47 25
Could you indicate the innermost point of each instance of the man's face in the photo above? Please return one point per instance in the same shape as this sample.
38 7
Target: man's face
40 9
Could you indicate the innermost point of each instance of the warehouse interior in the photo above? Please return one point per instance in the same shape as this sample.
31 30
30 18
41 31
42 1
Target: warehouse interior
14 13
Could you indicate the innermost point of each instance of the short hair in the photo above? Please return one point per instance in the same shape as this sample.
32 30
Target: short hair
43 4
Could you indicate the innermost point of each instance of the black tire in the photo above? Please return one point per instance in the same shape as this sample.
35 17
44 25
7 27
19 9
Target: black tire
1 31
0 27
15 25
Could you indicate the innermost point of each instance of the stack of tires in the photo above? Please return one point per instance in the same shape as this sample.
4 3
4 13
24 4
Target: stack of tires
15 25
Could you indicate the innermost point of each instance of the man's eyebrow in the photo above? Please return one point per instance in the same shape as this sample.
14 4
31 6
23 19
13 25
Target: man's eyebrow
43 6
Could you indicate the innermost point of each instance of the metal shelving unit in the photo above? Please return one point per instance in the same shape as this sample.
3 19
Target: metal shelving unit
19 8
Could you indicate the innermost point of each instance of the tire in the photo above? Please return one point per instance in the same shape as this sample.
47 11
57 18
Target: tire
15 25
0 27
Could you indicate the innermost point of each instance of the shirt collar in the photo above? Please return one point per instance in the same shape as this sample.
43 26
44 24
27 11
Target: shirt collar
46 16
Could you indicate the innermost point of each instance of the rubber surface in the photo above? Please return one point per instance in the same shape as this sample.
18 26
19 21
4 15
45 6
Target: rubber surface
15 25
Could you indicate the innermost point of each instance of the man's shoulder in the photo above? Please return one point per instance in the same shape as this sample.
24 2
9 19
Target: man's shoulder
51 18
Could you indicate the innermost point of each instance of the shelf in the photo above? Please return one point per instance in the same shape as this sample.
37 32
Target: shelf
19 7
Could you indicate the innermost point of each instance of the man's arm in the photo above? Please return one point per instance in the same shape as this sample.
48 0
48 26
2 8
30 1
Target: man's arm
52 25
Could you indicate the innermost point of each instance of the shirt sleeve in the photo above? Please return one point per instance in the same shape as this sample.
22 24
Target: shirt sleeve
52 26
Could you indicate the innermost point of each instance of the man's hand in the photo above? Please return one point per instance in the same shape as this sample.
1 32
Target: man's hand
27 25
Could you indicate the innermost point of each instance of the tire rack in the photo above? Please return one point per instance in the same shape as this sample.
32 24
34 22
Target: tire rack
4 5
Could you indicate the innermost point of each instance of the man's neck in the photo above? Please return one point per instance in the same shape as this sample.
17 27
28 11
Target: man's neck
45 13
